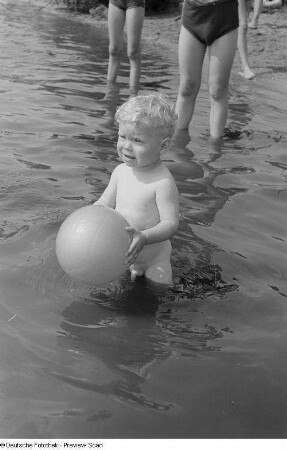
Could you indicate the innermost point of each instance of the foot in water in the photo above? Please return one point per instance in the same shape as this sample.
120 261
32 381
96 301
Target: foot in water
247 73
252 25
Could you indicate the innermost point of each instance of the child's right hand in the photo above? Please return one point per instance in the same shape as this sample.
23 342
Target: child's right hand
138 242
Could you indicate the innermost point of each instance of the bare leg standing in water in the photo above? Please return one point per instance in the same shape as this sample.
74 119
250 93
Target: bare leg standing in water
257 8
221 55
244 9
132 13
220 19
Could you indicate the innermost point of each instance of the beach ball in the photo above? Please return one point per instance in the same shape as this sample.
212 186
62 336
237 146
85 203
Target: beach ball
91 244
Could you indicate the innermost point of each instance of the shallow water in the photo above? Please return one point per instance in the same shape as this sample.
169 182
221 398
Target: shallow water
204 360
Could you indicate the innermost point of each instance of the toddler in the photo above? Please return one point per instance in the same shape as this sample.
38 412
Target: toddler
142 189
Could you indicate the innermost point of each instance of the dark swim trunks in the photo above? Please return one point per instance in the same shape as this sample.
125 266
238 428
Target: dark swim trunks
210 21
128 4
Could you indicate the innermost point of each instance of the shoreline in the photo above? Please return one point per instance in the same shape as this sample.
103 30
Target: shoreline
266 45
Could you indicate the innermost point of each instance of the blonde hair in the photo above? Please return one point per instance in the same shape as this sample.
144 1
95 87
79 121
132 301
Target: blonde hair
154 111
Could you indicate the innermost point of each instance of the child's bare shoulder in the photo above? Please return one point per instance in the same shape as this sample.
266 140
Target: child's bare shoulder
165 179
165 174
119 169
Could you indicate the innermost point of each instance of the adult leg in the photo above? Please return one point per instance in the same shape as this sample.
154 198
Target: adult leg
257 8
221 56
190 56
244 9
116 22
135 18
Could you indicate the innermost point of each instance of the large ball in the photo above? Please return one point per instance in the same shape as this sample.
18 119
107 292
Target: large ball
91 244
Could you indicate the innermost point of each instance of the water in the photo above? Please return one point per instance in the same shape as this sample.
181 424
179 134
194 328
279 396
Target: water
204 360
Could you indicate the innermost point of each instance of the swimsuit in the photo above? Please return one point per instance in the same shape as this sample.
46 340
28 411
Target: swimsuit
210 21
128 4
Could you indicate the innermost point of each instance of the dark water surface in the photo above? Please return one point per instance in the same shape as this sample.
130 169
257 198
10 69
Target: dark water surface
205 360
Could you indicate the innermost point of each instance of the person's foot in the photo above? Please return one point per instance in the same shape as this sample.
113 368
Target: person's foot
181 138
252 25
247 73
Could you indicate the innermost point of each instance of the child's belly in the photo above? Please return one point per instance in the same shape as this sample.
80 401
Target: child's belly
140 218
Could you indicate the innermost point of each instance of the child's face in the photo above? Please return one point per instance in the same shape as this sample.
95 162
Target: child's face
139 146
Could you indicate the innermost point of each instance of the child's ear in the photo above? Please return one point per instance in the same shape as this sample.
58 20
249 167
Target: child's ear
165 145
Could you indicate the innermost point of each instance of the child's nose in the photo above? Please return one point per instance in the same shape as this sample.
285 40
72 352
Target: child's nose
127 145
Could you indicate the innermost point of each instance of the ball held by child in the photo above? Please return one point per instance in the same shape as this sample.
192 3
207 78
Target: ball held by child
92 243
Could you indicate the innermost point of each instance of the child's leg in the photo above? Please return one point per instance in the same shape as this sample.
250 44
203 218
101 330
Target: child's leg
135 17
154 262
136 270
160 273
159 269
116 22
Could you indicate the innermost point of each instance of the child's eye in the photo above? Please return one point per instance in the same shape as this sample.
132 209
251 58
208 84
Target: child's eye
138 140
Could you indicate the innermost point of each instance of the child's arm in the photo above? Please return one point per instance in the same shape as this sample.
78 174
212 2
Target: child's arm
168 208
108 197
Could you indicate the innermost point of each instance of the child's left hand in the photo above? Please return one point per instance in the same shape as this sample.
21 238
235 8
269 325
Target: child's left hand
138 242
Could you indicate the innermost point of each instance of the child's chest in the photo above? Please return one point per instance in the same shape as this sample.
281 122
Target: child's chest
136 192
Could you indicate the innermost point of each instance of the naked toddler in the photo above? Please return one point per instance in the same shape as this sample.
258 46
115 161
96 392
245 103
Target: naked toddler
142 189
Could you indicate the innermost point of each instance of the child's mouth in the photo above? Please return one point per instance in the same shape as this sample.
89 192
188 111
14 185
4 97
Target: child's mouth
128 156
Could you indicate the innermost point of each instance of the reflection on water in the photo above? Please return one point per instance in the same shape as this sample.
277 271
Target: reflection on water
204 359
